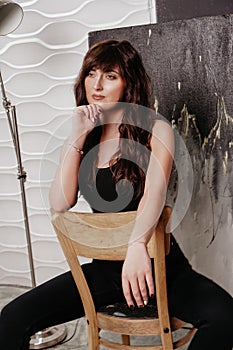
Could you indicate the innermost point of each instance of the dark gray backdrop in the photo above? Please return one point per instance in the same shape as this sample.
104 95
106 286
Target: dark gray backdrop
168 10
190 64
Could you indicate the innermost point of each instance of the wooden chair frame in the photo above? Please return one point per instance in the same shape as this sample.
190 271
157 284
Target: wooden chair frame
105 236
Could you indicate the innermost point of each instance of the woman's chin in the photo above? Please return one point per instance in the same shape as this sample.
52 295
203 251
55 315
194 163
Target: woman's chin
106 106
110 106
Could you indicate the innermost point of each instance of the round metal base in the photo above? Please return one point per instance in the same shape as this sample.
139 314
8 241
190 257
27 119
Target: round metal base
48 337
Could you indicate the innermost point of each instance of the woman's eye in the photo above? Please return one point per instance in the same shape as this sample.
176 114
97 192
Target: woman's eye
110 76
91 74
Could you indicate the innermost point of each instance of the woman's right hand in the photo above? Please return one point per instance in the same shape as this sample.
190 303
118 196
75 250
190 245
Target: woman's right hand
137 279
84 120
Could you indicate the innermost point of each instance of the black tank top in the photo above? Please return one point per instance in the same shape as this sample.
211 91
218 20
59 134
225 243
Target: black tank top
105 189
176 262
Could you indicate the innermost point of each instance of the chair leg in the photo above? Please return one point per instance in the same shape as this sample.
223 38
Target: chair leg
125 339
93 338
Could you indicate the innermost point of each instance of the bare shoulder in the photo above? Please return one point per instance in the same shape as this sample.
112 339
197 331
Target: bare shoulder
162 132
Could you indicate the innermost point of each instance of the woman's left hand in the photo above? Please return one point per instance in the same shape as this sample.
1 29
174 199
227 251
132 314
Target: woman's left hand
137 280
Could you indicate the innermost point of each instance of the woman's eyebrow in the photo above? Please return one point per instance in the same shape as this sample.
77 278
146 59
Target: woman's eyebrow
109 70
113 71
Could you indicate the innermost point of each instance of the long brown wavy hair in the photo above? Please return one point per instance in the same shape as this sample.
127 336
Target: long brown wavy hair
136 123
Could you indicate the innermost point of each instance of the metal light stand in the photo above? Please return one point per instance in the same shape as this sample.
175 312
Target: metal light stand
21 176
11 15
53 335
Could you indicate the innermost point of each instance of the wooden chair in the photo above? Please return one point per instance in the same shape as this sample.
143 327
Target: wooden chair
105 236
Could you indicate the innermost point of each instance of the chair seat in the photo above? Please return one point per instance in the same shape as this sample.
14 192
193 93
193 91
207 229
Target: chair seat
130 325
121 309
110 318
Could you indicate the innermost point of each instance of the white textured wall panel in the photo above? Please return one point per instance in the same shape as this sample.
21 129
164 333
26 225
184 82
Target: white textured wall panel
39 63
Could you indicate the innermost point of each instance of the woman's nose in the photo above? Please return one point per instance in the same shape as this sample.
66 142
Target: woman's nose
98 83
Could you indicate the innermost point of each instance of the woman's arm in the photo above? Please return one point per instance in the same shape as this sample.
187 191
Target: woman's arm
137 278
64 189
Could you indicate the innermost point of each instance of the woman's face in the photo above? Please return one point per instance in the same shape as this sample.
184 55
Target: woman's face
104 87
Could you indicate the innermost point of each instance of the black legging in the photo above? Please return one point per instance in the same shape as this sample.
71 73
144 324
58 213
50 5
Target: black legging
192 297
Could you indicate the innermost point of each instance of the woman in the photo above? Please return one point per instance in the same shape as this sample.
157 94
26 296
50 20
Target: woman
128 155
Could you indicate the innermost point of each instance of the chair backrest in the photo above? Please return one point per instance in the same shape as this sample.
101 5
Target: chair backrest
105 236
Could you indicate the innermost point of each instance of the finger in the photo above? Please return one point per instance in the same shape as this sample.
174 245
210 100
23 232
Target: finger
143 290
80 112
86 112
127 292
150 284
98 112
95 112
90 113
99 109
136 293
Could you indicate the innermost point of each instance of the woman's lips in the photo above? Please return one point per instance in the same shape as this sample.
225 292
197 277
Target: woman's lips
97 97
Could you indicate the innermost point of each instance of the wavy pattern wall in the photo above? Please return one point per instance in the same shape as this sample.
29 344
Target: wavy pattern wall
39 63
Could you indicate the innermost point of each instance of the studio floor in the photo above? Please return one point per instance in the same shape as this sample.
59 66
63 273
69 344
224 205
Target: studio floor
76 338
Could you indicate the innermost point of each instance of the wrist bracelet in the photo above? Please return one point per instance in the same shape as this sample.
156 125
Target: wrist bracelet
76 149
